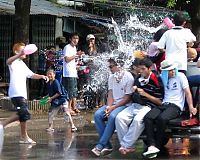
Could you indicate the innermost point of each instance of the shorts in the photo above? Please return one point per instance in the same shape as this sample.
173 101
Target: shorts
70 84
21 106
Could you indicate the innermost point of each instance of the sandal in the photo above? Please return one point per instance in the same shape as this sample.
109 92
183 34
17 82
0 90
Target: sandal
27 141
74 129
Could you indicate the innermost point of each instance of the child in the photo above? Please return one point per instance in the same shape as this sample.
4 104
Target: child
54 92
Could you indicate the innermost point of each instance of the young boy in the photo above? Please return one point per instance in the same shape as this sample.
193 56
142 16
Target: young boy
54 92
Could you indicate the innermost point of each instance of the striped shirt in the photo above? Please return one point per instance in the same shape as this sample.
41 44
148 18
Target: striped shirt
154 87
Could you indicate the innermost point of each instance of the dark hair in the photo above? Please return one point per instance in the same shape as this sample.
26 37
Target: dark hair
73 34
111 60
136 62
158 34
179 19
146 62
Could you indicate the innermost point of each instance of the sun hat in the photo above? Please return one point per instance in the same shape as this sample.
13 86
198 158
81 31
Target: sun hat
90 36
168 65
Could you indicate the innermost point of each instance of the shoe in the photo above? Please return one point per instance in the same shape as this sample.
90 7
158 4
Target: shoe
76 110
106 151
96 151
27 141
50 130
74 129
151 150
124 150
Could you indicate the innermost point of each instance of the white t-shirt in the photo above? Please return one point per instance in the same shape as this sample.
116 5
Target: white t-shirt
19 72
174 91
124 87
69 68
175 40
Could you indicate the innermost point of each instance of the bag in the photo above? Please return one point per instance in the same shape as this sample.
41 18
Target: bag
190 122
62 98
136 98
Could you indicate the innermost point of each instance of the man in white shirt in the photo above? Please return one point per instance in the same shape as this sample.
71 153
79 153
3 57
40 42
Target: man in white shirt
119 97
70 71
19 72
175 42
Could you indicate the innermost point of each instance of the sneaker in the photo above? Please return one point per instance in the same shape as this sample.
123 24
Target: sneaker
27 141
1 137
74 129
96 151
151 150
50 130
124 150
106 151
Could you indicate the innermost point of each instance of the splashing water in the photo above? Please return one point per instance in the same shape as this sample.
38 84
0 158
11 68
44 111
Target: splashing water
133 34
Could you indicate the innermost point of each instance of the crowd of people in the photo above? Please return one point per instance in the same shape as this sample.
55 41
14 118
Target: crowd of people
136 100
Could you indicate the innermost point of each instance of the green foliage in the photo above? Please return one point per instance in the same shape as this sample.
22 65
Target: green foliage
171 3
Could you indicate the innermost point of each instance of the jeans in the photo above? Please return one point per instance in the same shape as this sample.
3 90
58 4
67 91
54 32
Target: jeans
160 116
105 129
129 124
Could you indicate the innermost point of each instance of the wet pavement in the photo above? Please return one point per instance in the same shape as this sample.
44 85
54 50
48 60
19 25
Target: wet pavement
64 145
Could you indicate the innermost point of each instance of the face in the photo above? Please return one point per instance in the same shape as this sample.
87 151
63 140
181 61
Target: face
74 40
135 70
113 68
144 71
51 75
92 40
19 50
171 73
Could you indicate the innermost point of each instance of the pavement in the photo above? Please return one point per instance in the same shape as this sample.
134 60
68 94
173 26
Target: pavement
62 144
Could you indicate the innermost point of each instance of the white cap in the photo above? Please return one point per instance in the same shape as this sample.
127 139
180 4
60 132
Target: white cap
90 36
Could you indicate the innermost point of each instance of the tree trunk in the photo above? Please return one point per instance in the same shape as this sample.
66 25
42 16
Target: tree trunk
21 20
194 11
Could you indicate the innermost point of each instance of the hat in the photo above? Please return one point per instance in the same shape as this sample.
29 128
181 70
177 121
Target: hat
90 36
168 65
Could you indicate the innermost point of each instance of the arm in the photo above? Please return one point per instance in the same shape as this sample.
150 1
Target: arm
38 76
68 59
198 63
110 108
54 97
110 98
188 95
13 58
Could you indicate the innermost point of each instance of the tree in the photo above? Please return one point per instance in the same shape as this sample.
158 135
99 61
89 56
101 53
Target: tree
21 20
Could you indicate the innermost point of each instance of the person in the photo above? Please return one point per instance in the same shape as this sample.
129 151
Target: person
119 97
176 41
176 89
134 69
91 48
153 52
19 72
54 93
194 81
149 89
70 71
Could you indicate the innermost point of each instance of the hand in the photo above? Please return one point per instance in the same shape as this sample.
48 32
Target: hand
134 88
80 52
49 99
108 110
193 111
141 92
45 78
